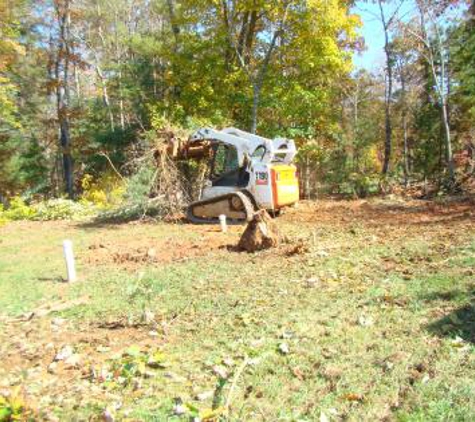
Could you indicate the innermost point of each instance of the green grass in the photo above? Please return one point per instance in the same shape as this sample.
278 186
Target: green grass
372 340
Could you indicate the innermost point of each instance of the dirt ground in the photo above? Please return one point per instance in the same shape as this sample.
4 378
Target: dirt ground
133 253
391 219
32 338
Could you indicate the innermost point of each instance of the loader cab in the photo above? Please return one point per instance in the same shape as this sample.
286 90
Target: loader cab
225 169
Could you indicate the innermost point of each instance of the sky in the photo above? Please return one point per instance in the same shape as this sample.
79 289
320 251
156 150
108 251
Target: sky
372 59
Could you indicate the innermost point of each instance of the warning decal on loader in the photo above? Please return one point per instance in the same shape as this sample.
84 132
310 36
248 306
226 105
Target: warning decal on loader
262 178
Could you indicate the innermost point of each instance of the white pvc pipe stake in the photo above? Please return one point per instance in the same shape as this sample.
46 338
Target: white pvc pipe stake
222 222
69 258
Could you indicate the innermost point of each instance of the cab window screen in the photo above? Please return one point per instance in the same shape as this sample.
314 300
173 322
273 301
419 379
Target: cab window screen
225 160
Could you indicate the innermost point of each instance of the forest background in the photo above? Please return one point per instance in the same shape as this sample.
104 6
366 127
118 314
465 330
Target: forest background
90 88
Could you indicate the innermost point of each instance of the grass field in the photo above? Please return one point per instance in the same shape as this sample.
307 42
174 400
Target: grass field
364 313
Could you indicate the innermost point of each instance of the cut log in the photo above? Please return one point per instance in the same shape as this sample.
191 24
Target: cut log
177 148
261 233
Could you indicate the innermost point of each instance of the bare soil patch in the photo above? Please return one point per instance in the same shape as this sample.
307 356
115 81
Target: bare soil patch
379 212
145 250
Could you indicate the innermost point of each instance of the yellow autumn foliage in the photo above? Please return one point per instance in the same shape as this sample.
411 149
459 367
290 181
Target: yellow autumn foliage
104 192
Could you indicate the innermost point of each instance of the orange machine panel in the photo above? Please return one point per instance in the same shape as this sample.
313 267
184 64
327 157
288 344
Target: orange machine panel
285 185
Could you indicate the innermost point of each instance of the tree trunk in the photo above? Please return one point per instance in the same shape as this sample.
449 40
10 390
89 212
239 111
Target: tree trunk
118 57
307 178
175 27
404 125
257 77
354 151
3 201
67 157
77 82
446 119
255 106
100 74
228 53
405 150
62 92
259 81
388 93
176 47
387 139
449 159
251 35
121 101
242 33
443 95
439 75
105 95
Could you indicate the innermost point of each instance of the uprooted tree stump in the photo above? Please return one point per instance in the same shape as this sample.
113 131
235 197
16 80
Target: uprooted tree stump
261 233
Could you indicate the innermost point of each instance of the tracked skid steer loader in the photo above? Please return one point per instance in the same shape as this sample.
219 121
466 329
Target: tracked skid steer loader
248 172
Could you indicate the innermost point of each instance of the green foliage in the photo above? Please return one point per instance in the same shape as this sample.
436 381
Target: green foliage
132 365
10 48
23 163
3 218
140 185
428 153
25 168
14 408
463 53
141 293
200 64
105 192
363 185
18 210
63 209
53 209
8 109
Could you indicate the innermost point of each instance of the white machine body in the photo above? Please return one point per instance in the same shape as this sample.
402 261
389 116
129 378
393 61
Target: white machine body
266 167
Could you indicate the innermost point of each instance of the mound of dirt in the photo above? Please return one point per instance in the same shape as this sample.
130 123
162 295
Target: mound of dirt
261 233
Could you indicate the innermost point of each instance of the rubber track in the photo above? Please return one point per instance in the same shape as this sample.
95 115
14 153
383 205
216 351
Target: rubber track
248 208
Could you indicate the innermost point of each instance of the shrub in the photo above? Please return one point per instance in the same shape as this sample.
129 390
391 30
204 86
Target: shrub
363 185
53 209
106 192
63 209
3 218
18 210
140 185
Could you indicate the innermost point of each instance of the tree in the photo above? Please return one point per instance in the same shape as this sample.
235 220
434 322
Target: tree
408 76
9 119
387 21
61 46
9 48
360 106
433 48
463 56
104 74
255 68
252 61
